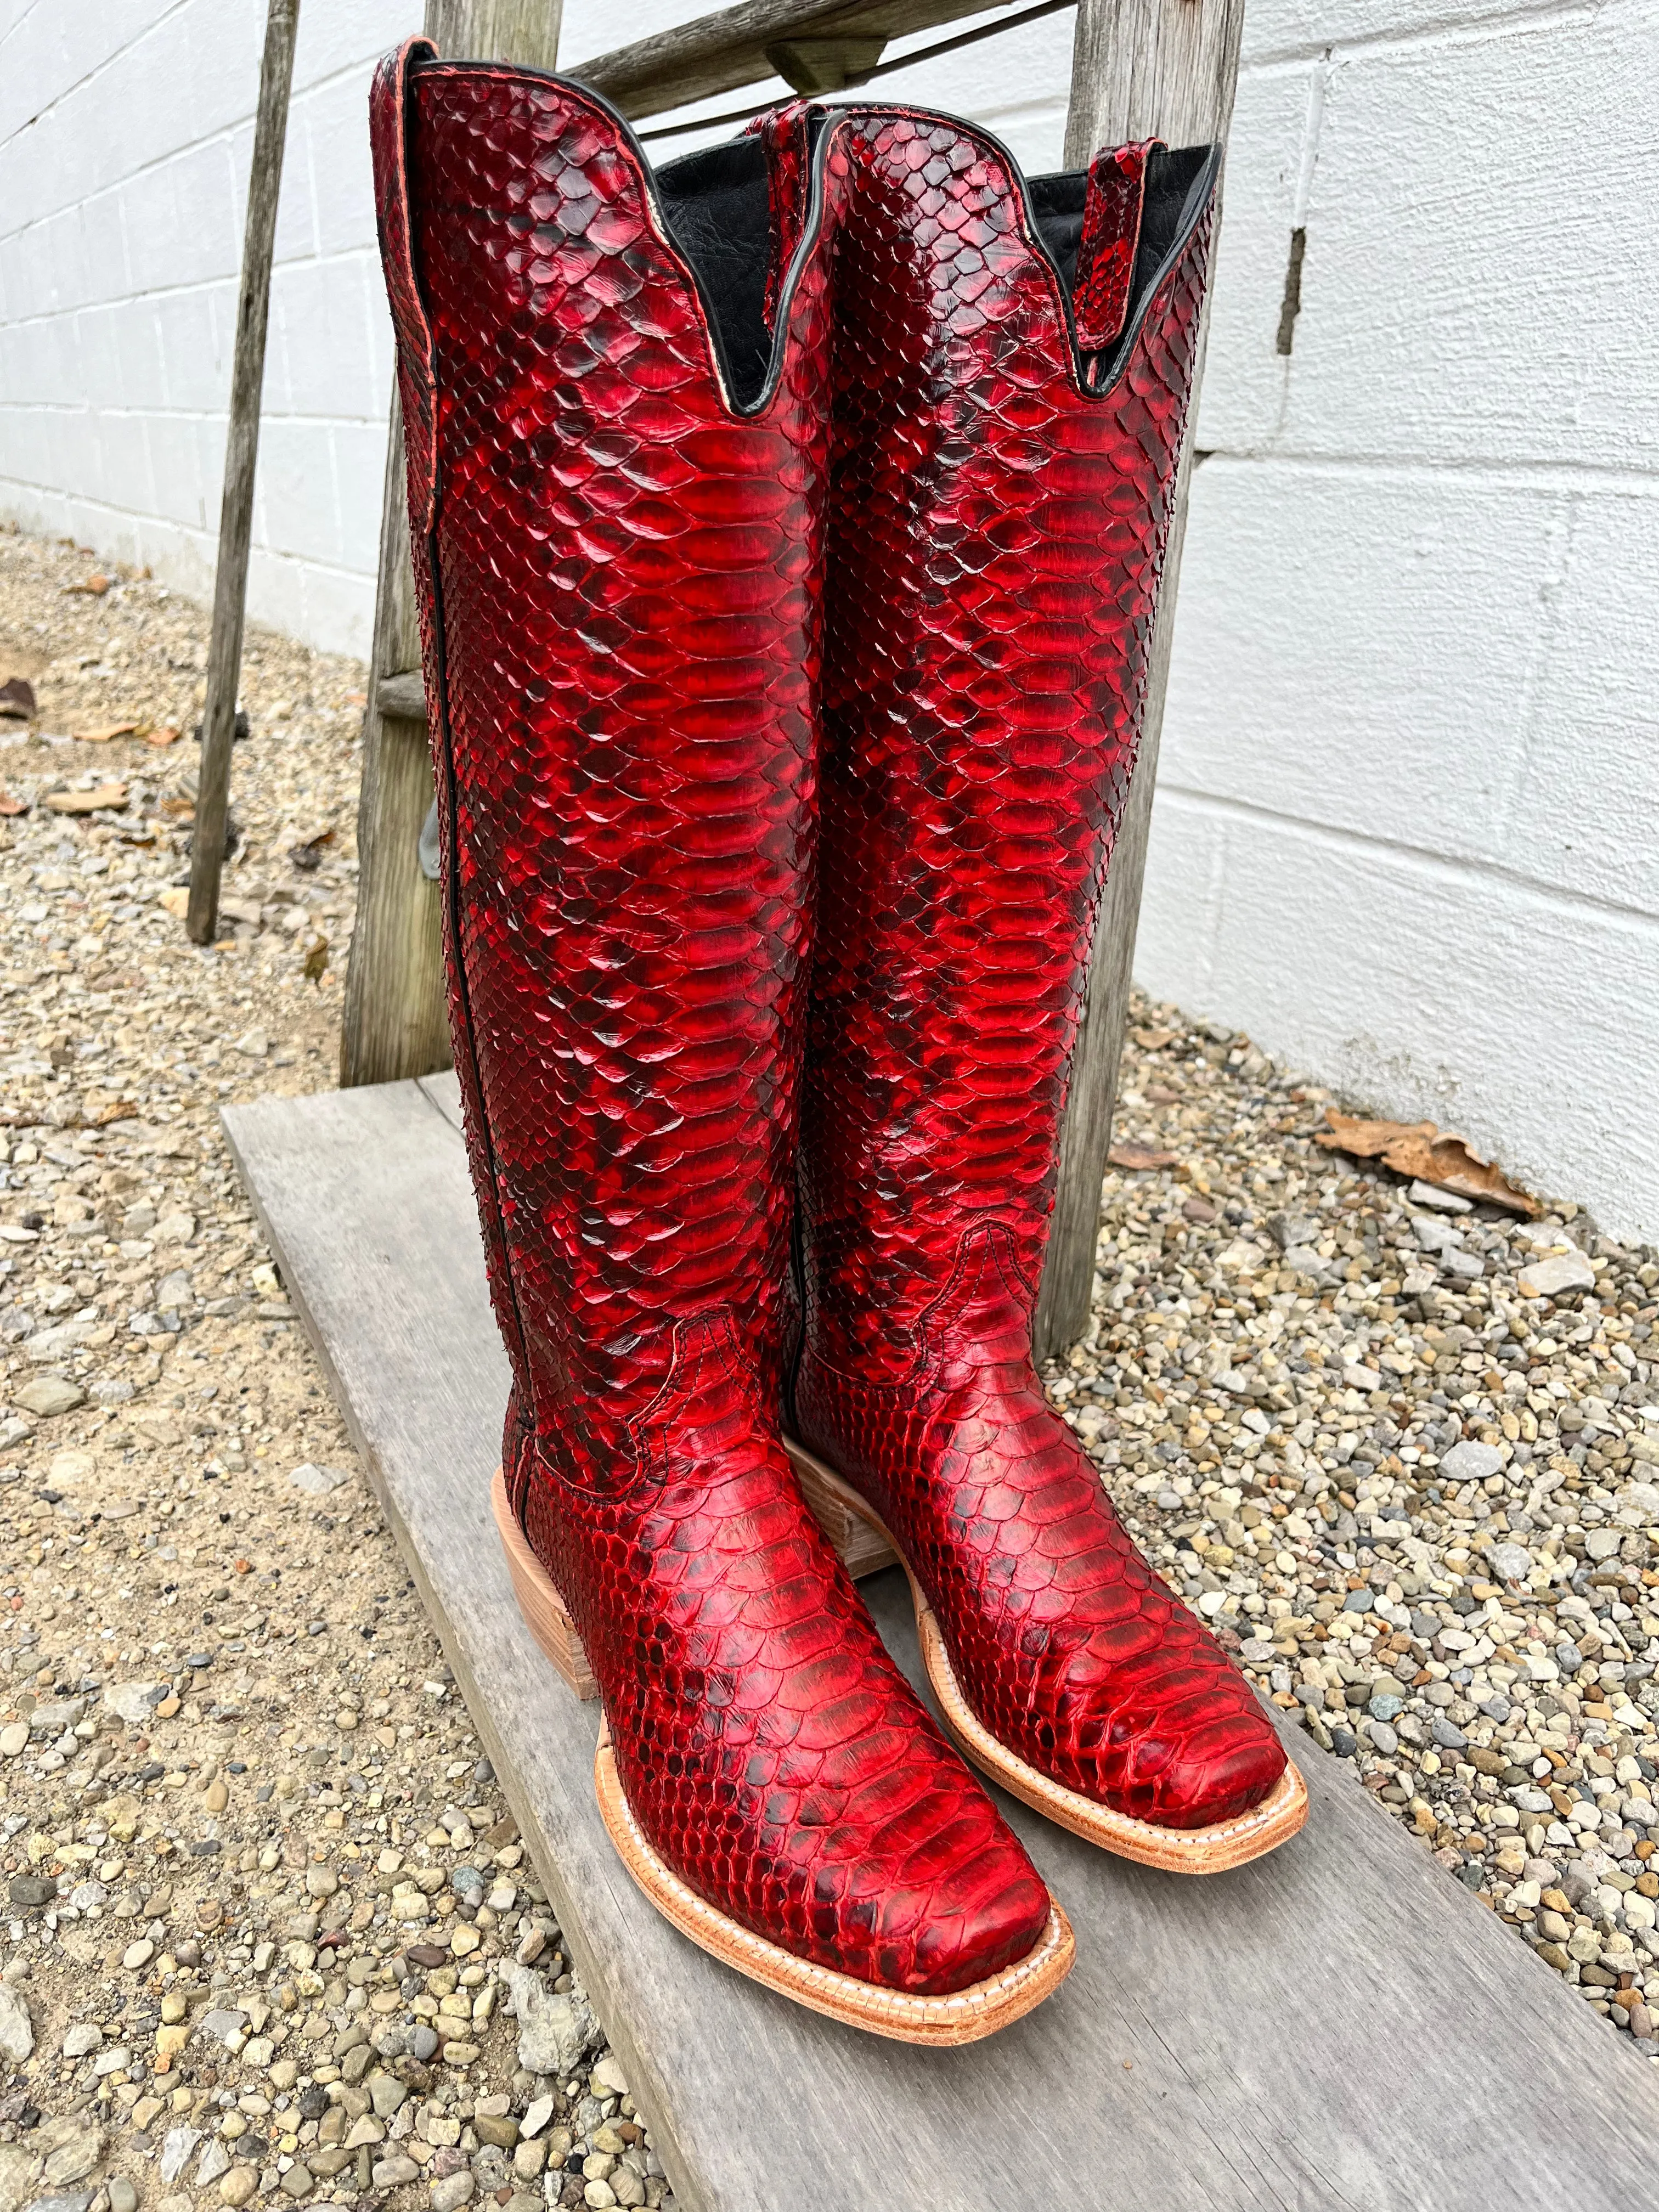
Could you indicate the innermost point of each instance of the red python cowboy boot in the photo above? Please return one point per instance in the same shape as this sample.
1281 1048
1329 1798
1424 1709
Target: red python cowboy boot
615 487
1011 381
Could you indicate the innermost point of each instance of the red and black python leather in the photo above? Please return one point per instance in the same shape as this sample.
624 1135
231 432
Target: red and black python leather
996 533
618 575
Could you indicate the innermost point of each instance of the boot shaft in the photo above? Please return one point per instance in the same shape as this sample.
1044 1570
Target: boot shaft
1013 366
615 501
623 473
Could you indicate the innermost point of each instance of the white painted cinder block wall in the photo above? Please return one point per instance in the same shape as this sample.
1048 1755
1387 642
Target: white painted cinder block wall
1405 826
125 133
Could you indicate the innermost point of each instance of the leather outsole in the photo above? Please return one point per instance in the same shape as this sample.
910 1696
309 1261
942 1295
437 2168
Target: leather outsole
1214 1850
962 2016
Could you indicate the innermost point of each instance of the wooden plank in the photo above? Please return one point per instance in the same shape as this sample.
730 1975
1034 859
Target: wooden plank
394 1023
747 44
1140 69
1340 2028
247 378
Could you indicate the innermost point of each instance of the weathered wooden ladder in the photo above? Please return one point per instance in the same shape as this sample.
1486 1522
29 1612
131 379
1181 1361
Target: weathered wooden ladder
1140 69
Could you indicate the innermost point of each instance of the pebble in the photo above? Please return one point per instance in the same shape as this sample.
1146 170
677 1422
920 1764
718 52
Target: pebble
1444 1201
607 2078
1471 1462
556 2029
16 2027
74 2158
123 2194
48 1396
214 2162
176 2148
223 2026
238 2187
452 2192
318 1481
1549 1278
134 1703
386 2094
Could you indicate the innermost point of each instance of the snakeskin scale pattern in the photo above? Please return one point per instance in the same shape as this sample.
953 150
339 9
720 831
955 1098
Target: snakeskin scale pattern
619 600
1106 252
996 538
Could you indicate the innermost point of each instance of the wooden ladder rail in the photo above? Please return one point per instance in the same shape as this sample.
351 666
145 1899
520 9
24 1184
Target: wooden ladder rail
1140 69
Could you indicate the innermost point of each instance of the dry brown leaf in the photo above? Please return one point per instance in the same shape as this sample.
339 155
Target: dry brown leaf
1419 1149
1153 1040
11 804
166 735
1138 1158
93 588
103 736
87 802
316 960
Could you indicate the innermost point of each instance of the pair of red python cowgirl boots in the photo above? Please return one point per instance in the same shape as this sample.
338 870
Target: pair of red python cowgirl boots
786 528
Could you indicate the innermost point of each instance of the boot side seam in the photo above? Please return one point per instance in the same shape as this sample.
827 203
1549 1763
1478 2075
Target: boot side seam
998 1234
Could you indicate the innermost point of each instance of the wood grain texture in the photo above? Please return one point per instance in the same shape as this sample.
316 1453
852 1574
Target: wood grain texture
1151 68
1140 69
1339 2027
247 378
718 52
395 1023
523 30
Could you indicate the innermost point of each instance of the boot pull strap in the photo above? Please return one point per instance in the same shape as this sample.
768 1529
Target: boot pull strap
417 370
783 132
1111 236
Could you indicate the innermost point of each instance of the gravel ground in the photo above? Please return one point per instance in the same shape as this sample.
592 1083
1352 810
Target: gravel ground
269 1919
1417 1492
268 1928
